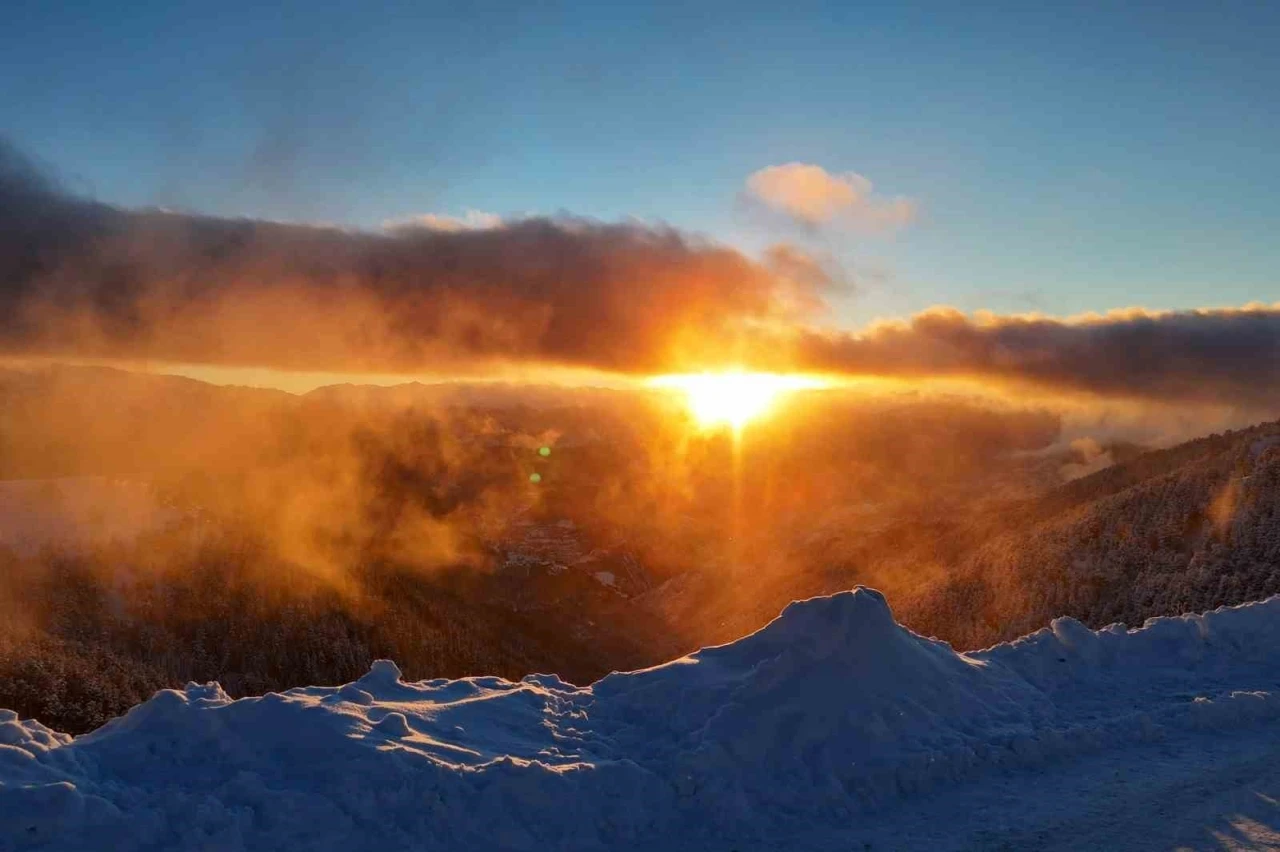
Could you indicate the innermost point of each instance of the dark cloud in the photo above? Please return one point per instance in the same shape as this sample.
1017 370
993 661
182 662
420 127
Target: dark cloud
1224 356
91 280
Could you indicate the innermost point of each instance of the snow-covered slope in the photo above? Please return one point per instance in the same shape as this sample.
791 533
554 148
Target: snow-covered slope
822 720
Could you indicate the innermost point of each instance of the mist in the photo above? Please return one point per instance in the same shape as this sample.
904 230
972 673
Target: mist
438 480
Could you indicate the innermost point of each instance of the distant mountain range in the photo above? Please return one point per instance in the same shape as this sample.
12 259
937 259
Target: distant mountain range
1185 529
318 531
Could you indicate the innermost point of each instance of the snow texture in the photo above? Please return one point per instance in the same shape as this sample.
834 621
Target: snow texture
823 718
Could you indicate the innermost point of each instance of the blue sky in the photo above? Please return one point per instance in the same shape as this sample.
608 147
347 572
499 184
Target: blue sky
1063 160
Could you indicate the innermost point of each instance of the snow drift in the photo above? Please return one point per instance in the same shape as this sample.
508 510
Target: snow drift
827 712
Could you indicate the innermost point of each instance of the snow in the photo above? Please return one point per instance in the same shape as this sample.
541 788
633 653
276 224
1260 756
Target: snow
831 727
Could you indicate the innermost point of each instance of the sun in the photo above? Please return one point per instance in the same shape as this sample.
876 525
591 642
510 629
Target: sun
733 398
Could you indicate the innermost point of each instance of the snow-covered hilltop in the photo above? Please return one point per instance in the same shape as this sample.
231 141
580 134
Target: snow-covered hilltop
805 734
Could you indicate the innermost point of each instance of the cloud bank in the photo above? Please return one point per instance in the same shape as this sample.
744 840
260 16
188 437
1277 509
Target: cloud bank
84 279
87 279
1220 356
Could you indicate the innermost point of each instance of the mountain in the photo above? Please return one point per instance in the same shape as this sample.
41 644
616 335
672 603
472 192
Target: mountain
823 730
1184 529
1187 528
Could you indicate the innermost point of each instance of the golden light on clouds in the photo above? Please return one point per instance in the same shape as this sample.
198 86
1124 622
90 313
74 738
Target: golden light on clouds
733 398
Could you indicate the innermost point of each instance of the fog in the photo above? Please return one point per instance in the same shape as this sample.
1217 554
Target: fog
431 477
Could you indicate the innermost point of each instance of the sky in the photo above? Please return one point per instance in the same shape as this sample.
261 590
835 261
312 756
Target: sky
1057 160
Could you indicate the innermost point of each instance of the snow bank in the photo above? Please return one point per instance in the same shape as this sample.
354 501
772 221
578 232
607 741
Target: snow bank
828 711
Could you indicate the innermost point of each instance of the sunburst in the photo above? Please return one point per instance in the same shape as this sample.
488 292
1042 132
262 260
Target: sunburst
733 398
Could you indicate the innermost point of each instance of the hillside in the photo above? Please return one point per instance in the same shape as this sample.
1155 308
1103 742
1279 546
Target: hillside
1183 529
831 728
1180 530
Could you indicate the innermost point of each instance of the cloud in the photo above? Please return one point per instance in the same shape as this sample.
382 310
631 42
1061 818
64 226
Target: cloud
812 196
1228 356
804 278
83 279
78 278
1088 456
471 220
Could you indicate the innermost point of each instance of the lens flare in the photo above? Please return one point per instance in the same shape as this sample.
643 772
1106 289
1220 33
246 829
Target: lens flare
733 398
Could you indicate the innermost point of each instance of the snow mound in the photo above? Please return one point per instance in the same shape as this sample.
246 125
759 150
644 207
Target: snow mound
831 696
831 709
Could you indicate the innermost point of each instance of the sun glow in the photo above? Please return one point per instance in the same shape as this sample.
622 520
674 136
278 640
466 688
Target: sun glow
733 398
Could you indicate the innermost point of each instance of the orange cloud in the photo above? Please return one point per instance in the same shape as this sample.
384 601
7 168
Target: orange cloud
813 196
